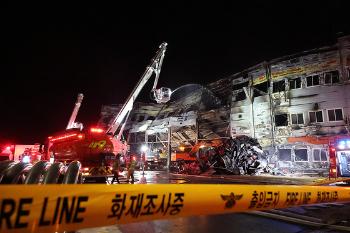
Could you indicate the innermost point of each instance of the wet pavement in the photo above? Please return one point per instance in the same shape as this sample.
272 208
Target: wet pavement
163 177
242 223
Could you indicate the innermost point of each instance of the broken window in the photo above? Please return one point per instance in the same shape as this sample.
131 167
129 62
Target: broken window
313 80
262 87
295 83
297 119
335 114
279 86
331 77
285 154
151 138
301 155
316 116
319 155
281 120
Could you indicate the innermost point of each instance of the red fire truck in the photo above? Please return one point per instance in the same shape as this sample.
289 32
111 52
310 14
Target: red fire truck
95 146
339 157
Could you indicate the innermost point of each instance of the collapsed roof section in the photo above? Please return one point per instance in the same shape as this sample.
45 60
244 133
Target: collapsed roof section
189 103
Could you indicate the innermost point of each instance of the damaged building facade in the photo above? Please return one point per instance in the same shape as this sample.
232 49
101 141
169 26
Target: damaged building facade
194 114
293 105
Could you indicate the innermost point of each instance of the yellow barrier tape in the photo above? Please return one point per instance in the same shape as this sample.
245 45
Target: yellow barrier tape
57 208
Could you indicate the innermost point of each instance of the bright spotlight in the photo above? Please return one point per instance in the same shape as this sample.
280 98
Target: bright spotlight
144 148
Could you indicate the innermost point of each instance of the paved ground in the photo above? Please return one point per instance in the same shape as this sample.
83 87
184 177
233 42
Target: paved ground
162 177
310 219
240 223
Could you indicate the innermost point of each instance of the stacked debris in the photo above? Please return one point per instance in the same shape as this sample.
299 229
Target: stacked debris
242 155
239 156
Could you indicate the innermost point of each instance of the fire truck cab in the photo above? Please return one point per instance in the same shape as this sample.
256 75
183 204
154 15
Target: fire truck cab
339 157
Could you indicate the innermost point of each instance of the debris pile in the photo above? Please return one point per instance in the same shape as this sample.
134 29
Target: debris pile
240 156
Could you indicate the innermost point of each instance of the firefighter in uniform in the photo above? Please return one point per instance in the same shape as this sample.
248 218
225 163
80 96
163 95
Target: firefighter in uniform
131 169
116 167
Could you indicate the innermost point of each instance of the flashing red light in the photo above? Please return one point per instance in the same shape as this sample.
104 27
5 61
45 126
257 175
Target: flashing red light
8 148
80 136
49 137
96 130
63 137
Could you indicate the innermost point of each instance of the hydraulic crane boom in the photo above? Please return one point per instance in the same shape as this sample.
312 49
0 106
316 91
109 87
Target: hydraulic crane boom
71 123
94 146
161 95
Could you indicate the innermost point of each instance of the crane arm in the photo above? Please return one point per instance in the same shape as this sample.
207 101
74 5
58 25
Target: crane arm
153 67
75 111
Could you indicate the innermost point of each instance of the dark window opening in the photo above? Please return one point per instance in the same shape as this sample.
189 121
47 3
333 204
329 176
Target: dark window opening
335 114
316 116
151 138
316 154
313 80
320 155
295 83
279 86
281 120
262 87
331 77
240 96
323 155
301 155
240 85
297 119
285 154
151 118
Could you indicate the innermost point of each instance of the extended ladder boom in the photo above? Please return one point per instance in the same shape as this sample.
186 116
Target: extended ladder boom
154 67
71 122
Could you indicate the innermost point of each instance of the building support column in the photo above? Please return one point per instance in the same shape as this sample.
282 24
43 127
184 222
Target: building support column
169 148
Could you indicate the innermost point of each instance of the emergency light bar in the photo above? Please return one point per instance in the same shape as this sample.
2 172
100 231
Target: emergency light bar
66 136
96 130
344 144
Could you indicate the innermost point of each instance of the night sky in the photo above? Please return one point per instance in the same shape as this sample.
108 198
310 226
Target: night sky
50 53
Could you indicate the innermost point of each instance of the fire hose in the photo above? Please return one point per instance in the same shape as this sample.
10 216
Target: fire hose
43 172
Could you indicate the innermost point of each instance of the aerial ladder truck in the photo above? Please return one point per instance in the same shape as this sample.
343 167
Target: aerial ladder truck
96 146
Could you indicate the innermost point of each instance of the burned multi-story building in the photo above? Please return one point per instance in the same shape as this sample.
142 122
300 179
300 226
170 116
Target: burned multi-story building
193 114
293 105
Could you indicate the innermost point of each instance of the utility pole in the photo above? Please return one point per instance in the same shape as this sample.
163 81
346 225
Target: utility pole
169 148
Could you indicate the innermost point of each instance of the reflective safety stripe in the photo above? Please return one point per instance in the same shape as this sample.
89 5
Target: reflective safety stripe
51 208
